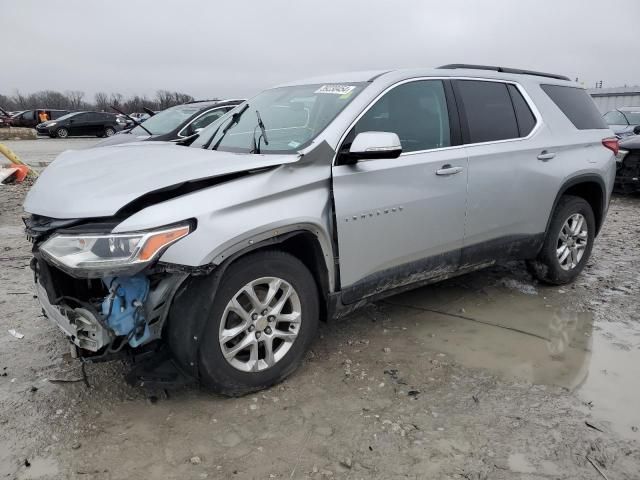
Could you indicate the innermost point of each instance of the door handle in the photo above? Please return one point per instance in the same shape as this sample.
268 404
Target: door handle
546 156
448 170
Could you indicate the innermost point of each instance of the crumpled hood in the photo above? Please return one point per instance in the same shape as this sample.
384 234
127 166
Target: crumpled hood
98 182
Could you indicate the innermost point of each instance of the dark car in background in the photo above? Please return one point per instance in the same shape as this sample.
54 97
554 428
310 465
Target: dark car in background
628 165
175 123
623 120
31 118
100 124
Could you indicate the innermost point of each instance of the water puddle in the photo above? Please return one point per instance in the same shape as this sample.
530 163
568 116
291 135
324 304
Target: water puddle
523 333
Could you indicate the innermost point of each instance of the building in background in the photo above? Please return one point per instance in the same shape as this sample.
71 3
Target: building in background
611 98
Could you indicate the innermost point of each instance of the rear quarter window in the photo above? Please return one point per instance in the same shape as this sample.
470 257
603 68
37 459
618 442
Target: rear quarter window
524 115
577 106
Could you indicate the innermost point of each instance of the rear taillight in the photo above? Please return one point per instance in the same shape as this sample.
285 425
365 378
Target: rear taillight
612 144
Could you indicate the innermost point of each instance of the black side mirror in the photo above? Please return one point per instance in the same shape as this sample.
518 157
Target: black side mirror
636 129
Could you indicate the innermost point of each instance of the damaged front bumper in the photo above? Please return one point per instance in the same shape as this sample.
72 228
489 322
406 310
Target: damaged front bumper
105 291
103 316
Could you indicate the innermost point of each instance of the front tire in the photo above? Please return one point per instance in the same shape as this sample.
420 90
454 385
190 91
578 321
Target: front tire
62 132
263 317
568 244
109 132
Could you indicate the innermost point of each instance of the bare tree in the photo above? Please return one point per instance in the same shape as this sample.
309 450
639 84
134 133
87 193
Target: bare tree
116 99
101 101
75 99
21 101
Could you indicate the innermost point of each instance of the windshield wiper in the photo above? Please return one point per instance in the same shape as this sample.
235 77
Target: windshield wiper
263 134
234 119
132 119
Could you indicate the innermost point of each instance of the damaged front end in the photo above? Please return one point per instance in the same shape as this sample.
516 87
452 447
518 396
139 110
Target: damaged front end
105 291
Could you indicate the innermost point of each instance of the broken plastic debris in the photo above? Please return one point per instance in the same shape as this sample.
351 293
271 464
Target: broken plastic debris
16 334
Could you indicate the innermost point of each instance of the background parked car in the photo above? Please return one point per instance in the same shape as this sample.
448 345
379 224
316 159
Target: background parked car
5 118
100 124
31 118
139 117
623 120
175 122
628 165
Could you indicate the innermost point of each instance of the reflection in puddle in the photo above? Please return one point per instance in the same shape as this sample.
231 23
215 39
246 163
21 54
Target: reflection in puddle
533 338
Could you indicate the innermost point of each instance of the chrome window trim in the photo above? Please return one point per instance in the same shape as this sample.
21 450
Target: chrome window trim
203 113
523 92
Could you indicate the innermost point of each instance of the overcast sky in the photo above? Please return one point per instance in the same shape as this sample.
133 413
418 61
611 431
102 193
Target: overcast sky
237 48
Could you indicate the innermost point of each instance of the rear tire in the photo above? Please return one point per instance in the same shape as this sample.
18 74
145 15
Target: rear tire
568 243
276 333
62 132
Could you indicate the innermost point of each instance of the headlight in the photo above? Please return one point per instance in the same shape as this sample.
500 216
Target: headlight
111 252
620 155
52 124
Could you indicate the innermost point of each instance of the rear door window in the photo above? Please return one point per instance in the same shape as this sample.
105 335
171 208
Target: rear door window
489 111
577 105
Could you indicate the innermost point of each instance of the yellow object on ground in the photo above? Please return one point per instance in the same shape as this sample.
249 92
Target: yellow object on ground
13 158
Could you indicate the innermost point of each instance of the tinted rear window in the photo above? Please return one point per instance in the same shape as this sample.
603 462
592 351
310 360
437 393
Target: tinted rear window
489 111
577 105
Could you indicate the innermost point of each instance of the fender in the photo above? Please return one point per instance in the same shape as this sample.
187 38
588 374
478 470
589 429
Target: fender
573 181
275 235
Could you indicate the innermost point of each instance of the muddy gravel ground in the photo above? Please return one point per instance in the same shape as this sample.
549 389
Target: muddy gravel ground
486 376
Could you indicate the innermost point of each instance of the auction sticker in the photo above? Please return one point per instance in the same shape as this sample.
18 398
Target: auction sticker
336 89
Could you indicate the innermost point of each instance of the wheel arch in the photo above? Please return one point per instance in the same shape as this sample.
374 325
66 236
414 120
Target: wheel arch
304 244
591 188
183 332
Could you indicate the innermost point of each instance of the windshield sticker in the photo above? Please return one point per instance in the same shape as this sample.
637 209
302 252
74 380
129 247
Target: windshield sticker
294 144
336 89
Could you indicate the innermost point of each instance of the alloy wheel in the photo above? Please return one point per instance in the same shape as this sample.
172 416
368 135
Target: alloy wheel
572 241
260 324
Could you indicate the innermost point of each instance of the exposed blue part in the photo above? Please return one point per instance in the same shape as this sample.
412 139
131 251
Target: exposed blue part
123 308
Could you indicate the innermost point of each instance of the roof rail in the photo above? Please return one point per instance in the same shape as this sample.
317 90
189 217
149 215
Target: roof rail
505 70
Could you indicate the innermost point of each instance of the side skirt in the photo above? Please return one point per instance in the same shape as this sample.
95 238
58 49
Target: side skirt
432 270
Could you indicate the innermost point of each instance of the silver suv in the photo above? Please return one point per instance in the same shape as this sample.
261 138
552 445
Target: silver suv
216 261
